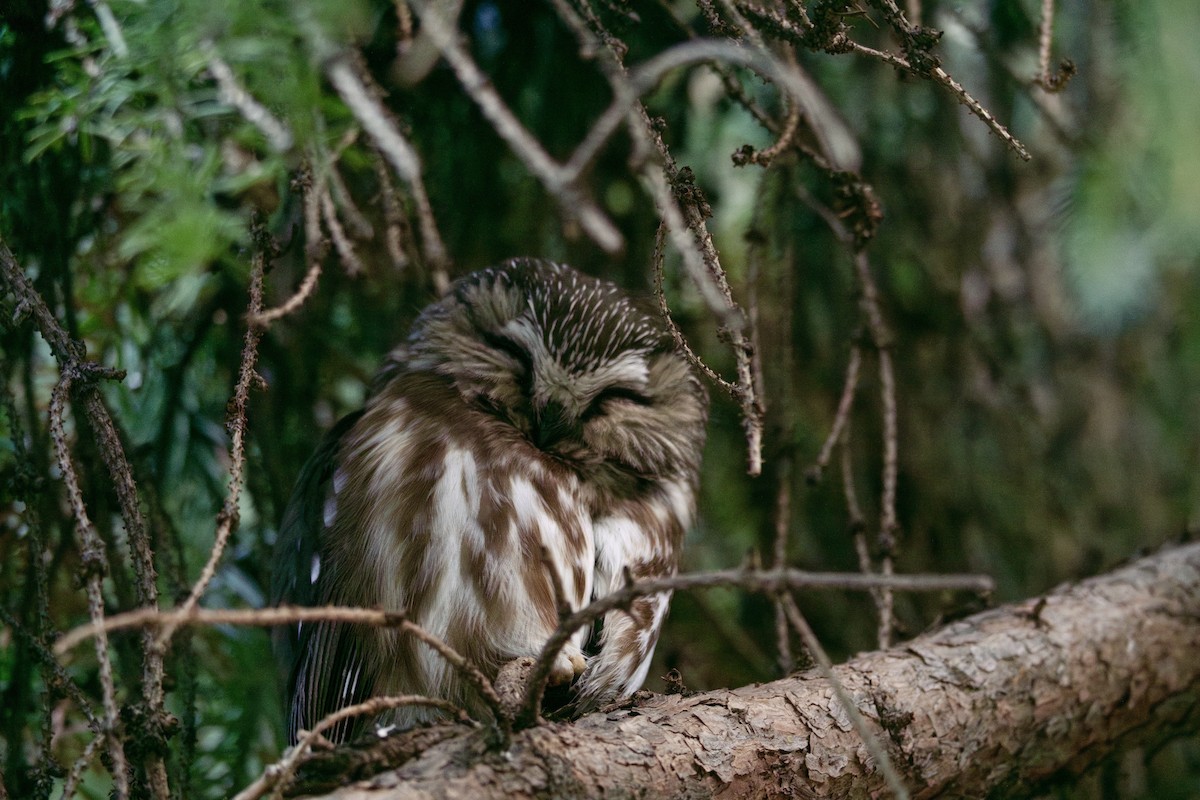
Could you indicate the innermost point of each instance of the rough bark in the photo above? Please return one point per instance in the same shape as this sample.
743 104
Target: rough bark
994 704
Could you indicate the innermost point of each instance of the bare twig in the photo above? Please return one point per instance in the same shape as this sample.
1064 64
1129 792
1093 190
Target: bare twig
783 520
888 524
70 354
755 580
781 145
941 76
355 90
227 519
1045 40
277 133
845 404
393 217
685 222
346 205
1050 81
265 617
558 181
92 555
253 617
81 763
914 11
341 242
110 26
882 340
857 526
278 774
869 737
314 250
677 335
790 31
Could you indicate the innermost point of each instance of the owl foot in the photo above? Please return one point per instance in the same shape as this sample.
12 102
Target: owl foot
569 665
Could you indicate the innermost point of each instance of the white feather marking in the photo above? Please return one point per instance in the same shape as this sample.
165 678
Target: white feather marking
455 520
350 683
617 540
315 571
639 676
329 511
679 495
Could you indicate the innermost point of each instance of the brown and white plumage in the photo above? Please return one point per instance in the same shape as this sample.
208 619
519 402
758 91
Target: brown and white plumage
534 410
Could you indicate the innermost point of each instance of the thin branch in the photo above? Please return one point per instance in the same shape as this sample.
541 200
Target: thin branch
279 136
784 143
941 76
70 355
869 737
1045 40
888 524
558 181
341 242
314 251
278 774
393 218
77 768
914 11
251 617
783 520
227 519
110 26
281 615
882 340
346 205
677 335
1051 82
789 31
91 550
353 85
755 580
845 404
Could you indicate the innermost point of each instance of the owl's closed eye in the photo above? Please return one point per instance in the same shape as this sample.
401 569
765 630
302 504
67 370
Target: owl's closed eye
533 410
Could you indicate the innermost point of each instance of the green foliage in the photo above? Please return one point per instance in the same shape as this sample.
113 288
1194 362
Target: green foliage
1137 197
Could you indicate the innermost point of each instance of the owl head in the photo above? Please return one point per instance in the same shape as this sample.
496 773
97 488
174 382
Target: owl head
571 363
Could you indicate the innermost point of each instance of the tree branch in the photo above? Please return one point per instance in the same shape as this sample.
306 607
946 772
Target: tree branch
1006 699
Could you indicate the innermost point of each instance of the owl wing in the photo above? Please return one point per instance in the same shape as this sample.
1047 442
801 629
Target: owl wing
320 663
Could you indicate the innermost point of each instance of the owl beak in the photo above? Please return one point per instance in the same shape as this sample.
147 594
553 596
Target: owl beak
553 424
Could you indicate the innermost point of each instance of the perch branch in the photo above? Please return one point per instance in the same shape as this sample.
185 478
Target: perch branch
1000 702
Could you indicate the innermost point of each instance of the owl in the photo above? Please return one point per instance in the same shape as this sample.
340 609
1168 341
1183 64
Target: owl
536 435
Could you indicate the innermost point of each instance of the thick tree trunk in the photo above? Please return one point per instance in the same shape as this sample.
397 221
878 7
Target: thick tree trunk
996 703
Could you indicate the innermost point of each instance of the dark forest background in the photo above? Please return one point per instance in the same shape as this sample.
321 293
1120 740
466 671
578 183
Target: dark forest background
1044 314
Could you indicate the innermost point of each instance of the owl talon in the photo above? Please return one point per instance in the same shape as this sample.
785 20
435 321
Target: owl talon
568 666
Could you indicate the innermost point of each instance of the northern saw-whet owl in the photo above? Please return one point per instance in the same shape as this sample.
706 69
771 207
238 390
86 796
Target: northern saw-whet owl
535 419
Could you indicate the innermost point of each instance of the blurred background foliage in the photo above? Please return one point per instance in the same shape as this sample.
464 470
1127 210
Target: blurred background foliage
1046 334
